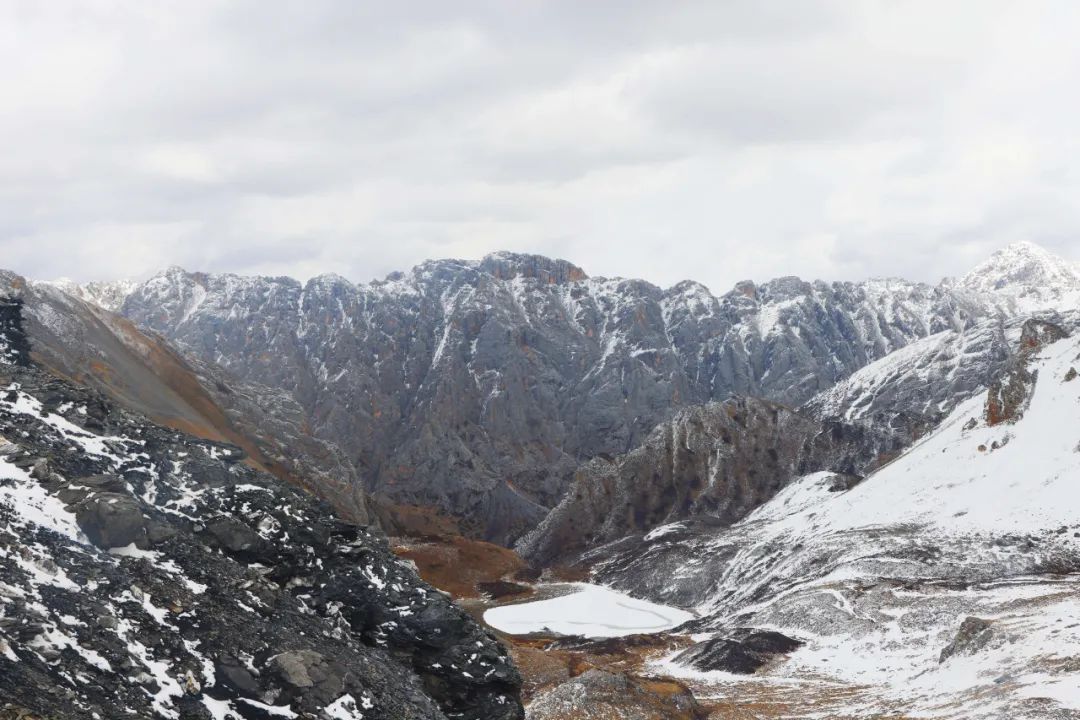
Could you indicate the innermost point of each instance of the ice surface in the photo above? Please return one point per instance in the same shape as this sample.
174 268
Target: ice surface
589 610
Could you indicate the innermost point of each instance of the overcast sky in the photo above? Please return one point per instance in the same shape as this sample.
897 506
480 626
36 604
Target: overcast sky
665 140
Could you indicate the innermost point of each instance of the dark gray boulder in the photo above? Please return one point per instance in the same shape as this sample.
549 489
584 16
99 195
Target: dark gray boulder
112 520
743 652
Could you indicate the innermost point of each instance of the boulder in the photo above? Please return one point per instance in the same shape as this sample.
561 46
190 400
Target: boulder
309 673
1010 393
230 673
111 520
602 695
973 635
232 535
742 655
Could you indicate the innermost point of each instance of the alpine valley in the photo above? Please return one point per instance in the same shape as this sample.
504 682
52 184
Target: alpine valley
506 489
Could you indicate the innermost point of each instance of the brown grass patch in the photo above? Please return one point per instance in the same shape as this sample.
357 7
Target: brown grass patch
457 565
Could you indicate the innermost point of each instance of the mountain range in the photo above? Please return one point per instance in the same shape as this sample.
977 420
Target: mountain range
474 390
847 465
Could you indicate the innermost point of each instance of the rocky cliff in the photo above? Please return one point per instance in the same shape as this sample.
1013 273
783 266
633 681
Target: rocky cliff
719 460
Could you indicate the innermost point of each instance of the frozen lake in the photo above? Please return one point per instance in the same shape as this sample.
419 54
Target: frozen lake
589 610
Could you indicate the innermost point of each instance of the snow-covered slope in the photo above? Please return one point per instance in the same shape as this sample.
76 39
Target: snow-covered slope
977 520
955 478
926 377
921 383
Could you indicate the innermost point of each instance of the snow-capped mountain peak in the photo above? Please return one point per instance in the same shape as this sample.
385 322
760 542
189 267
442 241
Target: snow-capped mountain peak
1027 272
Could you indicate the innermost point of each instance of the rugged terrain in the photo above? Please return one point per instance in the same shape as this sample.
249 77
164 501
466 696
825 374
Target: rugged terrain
148 573
718 461
944 584
864 492
475 389
91 346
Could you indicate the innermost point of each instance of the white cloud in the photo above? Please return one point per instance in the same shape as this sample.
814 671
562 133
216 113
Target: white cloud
661 140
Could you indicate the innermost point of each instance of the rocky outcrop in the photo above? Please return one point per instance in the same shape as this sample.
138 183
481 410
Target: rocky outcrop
602 695
719 461
1010 392
973 635
14 346
146 573
1008 396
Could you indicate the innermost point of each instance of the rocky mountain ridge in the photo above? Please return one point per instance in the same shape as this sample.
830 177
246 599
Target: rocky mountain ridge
80 341
106 294
718 461
477 388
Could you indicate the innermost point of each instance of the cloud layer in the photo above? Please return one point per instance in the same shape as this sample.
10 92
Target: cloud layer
715 141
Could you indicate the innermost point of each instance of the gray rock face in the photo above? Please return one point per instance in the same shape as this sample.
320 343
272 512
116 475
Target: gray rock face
719 460
14 346
146 573
478 388
1011 392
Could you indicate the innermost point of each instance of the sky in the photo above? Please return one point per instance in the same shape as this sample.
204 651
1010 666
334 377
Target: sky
715 141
